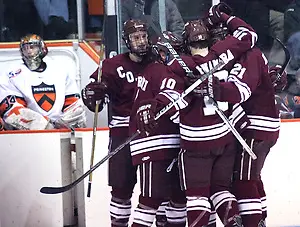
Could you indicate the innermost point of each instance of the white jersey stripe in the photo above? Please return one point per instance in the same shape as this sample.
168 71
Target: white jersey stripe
263 123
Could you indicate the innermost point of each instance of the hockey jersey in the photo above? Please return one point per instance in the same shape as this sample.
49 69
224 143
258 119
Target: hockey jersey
48 92
200 126
250 84
164 143
120 75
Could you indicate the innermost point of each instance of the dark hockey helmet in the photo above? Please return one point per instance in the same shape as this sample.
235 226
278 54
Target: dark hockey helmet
217 33
161 49
33 49
135 36
195 31
175 42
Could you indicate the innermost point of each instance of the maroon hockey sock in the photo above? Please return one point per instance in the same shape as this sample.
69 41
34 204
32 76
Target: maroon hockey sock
120 207
248 201
226 206
145 212
161 219
212 219
263 198
198 207
176 214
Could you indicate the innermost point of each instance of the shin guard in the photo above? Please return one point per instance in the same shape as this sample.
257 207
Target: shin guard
248 201
176 214
120 211
226 206
145 212
161 219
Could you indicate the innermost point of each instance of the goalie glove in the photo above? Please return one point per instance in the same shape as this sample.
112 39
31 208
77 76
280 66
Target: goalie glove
145 117
74 115
22 118
279 81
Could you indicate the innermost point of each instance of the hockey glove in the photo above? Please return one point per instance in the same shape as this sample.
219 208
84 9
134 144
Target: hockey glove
279 81
91 93
95 91
218 14
74 115
145 117
211 89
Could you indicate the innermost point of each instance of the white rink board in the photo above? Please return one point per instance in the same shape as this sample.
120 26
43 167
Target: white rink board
280 175
28 162
94 211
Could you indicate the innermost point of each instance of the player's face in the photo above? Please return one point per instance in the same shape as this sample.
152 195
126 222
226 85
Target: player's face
163 55
30 50
139 42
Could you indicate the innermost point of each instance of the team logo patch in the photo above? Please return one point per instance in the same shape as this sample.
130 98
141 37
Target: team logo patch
14 74
44 95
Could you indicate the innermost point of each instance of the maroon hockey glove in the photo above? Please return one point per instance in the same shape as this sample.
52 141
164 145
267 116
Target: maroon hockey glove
212 90
279 81
93 92
145 117
218 13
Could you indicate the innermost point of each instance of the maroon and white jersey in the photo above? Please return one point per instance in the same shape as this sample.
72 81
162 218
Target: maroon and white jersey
243 38
120 74
164 144
200 126
250 84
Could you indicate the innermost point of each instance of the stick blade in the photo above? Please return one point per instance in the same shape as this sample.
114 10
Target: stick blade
54 190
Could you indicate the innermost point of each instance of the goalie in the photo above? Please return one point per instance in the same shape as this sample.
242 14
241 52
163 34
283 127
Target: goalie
39 93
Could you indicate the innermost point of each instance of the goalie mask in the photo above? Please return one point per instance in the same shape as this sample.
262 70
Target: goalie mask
33 50
135 36
195 34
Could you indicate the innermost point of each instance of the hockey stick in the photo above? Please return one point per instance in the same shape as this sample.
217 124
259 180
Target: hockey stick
232 129
56 190
286 62
189 73
226 120
95 123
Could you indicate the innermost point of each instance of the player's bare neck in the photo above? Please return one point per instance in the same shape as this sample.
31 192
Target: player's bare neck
199 51
135 58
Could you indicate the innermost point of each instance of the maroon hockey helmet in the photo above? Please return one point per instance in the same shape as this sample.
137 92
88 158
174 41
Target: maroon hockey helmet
162 50
175 42
218 33
135 36
195 31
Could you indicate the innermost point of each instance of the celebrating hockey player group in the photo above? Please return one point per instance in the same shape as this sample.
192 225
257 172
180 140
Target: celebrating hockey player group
191 165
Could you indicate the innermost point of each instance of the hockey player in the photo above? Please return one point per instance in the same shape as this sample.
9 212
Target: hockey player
157 153
206 142
40 91
119 80
249 83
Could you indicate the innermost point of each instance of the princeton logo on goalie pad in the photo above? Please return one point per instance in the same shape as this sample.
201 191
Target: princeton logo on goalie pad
44 95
